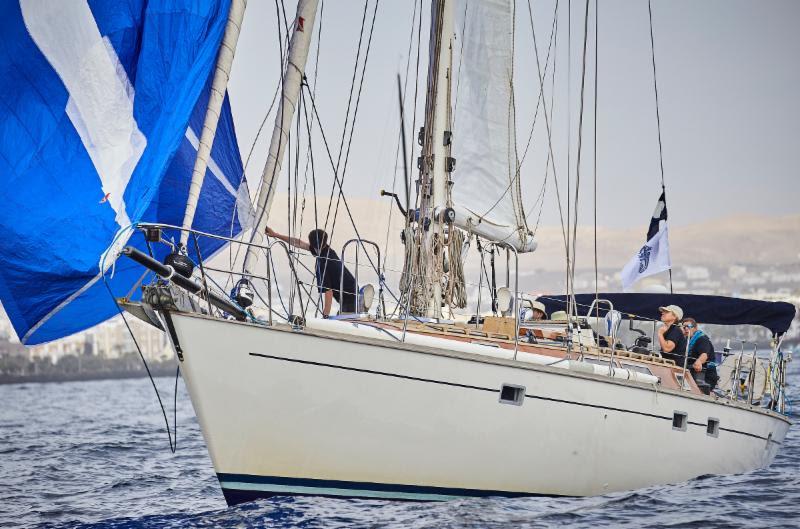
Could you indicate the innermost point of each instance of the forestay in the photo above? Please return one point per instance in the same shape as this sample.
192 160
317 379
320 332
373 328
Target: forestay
487 194
102 104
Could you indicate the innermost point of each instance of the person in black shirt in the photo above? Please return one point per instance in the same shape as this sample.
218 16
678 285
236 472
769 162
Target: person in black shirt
329 271
670 337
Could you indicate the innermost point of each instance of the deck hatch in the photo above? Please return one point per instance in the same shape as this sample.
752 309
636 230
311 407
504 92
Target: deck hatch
512 394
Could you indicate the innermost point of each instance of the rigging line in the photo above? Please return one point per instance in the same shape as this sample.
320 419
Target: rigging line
308 153
515 180
460 59
304 108
281 109
347 206
243 176
402 139
285 23
347 111
569 143
549 161
339 178
658 114
355 110
173 441
580 147
549 133
341 189
655 91
417 200
596 55
540 99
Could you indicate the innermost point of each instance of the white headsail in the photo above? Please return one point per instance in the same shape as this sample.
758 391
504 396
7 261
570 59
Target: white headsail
487 195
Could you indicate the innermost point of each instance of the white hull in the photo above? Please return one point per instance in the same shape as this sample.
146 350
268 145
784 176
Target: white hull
286 412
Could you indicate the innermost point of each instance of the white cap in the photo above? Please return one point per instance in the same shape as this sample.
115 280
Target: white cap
674 309
538 305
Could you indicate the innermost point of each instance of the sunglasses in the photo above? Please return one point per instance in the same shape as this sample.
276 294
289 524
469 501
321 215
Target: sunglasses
688 325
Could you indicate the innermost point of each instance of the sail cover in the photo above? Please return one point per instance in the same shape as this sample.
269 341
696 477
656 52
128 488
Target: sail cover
102 104
486 188
777 316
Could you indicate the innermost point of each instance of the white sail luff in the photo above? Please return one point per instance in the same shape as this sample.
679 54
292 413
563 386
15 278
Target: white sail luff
216 98
486 182
292 83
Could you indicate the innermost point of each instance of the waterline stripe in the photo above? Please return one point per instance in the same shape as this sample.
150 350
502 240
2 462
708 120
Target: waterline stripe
332 487
318 491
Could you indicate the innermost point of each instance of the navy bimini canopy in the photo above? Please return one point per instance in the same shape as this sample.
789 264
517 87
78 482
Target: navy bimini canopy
776 316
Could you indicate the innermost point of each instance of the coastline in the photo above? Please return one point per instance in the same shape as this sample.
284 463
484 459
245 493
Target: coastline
160 370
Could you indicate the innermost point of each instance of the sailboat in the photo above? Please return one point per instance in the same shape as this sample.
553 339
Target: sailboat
412 405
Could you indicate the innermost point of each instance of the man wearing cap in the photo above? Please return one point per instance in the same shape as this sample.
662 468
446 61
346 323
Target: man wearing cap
670 337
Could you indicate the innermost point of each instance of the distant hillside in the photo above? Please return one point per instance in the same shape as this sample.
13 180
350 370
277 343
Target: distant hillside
742 239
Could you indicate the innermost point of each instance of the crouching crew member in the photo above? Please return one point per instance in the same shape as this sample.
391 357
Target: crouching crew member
329 271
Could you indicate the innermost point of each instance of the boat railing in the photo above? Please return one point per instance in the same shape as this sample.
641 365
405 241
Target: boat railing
235 276
490 246
361 245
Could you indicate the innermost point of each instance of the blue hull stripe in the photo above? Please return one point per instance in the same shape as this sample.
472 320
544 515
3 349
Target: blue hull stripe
274 485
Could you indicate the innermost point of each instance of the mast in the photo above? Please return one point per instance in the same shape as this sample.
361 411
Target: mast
435 162
215 99
292 82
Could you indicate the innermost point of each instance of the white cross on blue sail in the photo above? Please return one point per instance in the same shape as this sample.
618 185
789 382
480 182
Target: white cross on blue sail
98 101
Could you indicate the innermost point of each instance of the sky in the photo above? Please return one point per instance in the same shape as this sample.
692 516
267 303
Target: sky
728 79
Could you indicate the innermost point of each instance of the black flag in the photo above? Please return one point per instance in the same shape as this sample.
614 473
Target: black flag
659 214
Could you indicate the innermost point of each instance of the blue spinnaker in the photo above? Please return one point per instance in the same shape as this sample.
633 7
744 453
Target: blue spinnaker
101 105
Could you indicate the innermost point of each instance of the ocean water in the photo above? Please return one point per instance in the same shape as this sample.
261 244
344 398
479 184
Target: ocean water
96 454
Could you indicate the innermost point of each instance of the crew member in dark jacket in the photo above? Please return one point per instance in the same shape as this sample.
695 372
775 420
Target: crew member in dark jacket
329 271
701 350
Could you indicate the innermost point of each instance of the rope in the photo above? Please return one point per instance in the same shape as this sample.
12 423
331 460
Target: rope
339 179
571 289
596 274
173 440
658 114
456 292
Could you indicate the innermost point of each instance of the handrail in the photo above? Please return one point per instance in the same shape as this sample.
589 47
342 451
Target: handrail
506 246
361 243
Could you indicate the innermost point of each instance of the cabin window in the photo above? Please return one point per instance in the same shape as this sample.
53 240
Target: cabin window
596 362
639 369
679 421
682 381
511 394
712 428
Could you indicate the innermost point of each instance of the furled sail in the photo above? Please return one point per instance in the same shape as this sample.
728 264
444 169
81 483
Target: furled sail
487 195
102 105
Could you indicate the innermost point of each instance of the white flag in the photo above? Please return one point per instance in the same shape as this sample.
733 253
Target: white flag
651 258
